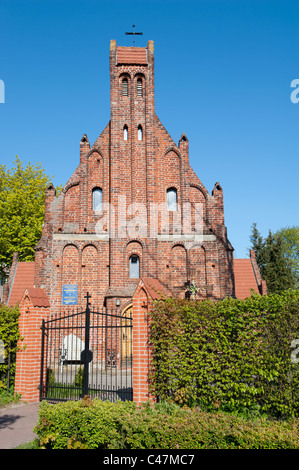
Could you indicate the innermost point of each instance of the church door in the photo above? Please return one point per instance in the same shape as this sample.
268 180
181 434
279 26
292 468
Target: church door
126 332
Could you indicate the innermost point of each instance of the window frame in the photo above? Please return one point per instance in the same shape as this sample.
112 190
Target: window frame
139 87
125 89
125 133
140 133
97 190
130 266
170 203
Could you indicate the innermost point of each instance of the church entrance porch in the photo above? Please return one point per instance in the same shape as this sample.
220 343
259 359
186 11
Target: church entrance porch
87 352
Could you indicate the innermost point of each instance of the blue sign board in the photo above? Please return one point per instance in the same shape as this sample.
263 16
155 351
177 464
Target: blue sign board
69 294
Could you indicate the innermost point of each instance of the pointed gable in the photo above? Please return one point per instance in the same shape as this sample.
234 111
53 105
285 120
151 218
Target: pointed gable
23 279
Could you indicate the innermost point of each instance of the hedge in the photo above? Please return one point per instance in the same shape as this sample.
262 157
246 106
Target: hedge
96 424
232 355
9 334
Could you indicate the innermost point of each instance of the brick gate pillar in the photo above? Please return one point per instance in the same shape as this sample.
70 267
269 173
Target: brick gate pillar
148 290
34 307
141 352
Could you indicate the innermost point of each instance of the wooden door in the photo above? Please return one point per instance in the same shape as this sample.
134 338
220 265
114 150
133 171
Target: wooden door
126 332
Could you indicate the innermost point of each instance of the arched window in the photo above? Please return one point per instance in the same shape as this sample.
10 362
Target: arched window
172 199
125 88
125 132
140 132
139 87
97 199
134 266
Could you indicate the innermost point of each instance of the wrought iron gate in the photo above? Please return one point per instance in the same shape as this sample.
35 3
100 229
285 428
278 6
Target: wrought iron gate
87 352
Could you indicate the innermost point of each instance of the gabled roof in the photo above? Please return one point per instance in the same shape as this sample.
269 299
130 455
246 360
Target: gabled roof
38 297
245 278
155 288
131 55
23 279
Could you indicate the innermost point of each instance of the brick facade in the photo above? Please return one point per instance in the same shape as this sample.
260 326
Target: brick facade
92 248
156 229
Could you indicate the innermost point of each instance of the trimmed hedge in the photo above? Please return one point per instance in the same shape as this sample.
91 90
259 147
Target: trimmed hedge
123 425
232 355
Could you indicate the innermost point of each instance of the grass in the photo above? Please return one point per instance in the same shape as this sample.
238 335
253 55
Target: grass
8 398
30 445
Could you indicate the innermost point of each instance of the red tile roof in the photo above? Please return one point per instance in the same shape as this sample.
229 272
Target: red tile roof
131 55
155 288
23 279
38 297
244 278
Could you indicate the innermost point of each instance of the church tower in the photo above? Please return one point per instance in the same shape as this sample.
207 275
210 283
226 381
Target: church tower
134 208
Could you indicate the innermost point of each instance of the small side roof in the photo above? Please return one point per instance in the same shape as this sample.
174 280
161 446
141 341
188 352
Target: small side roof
38 297
245 278
23 279
155 288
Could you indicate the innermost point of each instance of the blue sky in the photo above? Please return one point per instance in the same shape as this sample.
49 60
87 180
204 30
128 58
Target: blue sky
223 70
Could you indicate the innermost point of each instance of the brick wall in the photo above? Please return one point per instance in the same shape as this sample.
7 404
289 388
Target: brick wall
92 249
34 307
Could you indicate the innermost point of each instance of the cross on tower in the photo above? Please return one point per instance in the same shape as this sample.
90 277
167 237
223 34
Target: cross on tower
134 32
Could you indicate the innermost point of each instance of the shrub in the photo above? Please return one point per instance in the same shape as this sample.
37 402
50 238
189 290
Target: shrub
79 377
9 334
123 425
231 355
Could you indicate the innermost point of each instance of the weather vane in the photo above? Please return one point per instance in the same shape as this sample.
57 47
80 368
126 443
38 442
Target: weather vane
134 33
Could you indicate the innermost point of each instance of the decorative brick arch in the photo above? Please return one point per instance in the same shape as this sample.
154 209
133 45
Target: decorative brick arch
178 266
70 264
134 247
71 202
70 185
198 196
126 305
90 271
173 149
95 152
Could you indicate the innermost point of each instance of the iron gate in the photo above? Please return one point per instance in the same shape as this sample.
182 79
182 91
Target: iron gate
87 352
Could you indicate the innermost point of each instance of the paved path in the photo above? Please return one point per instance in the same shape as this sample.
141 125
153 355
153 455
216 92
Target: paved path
17 423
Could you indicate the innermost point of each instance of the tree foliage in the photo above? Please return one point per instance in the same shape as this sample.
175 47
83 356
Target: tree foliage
290 242
277 256
22 197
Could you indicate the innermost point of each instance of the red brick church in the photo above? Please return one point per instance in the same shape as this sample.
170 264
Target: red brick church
133 211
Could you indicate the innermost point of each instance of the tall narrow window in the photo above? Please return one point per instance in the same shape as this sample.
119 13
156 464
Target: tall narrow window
139 132
125 88
125 132
172 199
134 266
139 87
97 199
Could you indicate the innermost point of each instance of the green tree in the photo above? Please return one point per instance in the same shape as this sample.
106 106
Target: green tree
290 240
257 244
22 199
274 261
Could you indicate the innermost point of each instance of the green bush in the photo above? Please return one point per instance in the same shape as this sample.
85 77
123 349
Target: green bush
79 377
232 355
9 334
123 425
